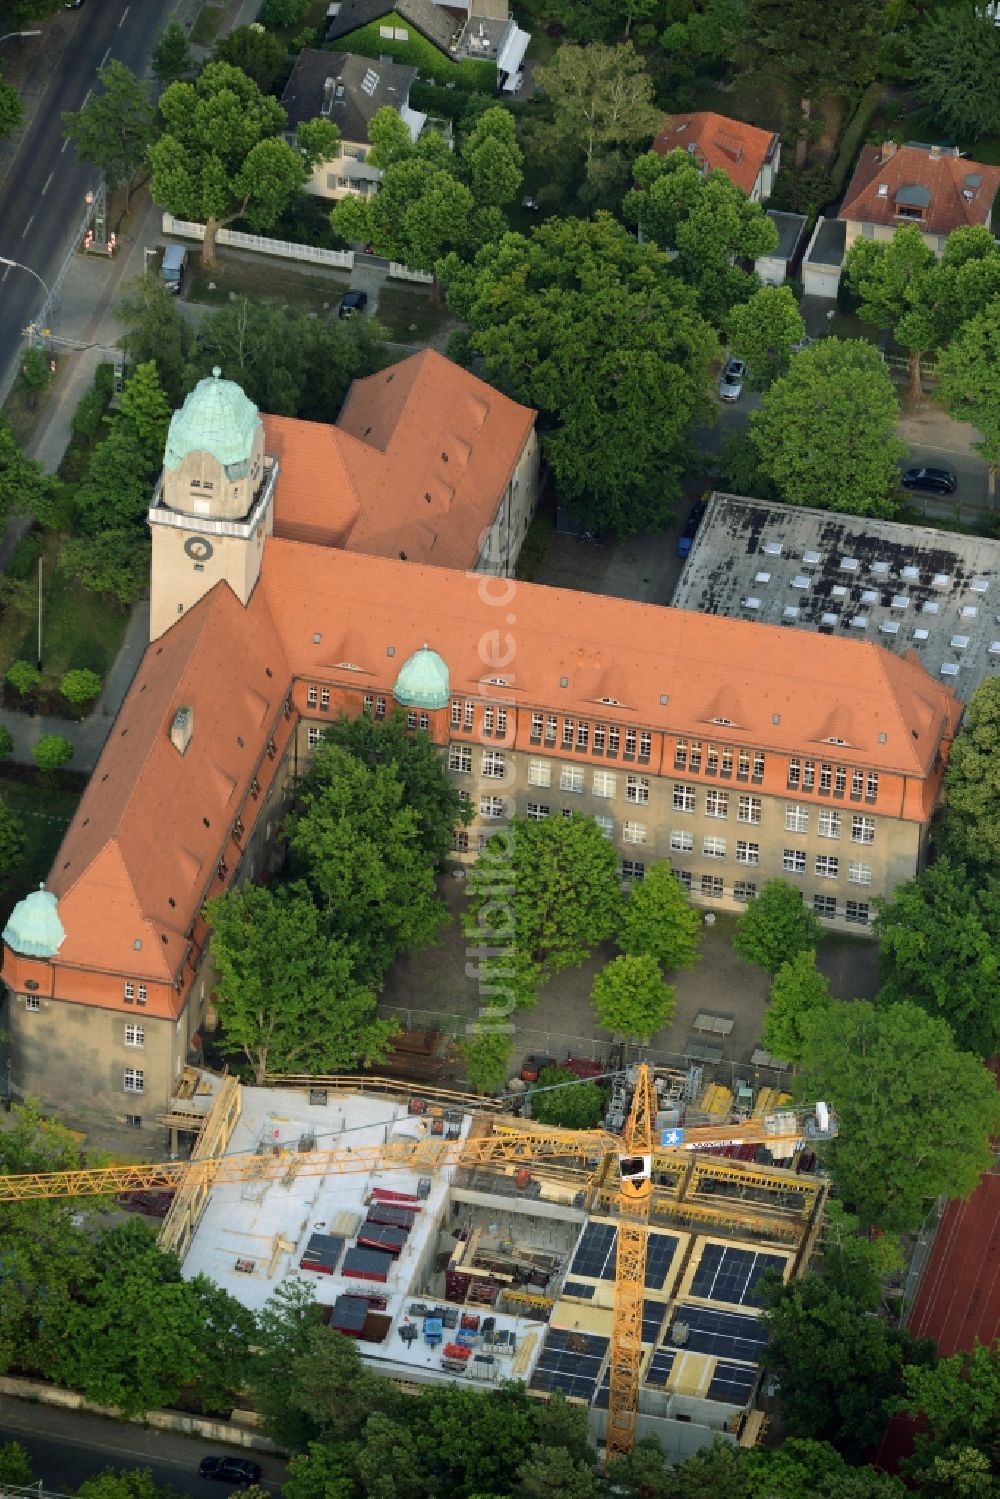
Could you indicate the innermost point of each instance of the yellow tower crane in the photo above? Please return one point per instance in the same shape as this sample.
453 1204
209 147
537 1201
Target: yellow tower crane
507 1140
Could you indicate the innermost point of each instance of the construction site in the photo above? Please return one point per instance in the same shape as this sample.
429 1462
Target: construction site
457 1242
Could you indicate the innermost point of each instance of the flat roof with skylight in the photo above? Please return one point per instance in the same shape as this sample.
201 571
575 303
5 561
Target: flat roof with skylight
908 588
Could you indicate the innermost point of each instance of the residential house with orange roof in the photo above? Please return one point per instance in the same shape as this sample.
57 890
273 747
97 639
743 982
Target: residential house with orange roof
749 156
692 737
934 187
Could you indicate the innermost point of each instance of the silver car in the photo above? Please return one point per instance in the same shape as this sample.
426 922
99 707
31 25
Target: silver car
731 380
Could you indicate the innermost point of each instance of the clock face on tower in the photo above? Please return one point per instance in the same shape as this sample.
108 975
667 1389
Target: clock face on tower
198 548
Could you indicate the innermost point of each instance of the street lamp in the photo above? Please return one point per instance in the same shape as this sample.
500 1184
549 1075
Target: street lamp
9 34
17 265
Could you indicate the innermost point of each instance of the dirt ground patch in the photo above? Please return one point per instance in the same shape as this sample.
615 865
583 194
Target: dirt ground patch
316 289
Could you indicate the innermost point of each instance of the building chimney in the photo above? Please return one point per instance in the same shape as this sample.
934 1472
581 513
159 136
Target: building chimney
182 729
935 153
889 149
327 96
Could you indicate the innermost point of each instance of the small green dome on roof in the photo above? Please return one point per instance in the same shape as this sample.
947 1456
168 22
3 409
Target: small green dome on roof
423 681
34 928
217 418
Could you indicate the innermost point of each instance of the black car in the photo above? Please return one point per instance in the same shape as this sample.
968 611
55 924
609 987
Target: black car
937 480
352 303
237 1470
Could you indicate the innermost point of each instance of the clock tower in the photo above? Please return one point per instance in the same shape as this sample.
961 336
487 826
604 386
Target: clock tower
213 506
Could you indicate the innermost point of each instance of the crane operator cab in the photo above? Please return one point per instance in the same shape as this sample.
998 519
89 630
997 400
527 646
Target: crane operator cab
636 1176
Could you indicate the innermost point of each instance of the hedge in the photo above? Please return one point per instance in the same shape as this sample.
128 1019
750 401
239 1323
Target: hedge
853 136
473 74
457 105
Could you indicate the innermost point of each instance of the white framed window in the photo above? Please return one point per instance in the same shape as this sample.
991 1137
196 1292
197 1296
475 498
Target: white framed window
567 733
135 1080
856 912
134 1121
538 811
796 818
571 778
743 765
501 728
634 832
630 744
683 798
696 755
140 994
750 809
793 861
460 842
129 992
491 806
712 760
645 745
551 723
135 1035
808 775
469 716
637 789
747 853
600 738
411 719
862 829
582 735
871 786
726 767
857 782
536 728
460 758
681 842
324 697
713 848
605 782
539 773
680 754
826 779
456 713
827 867
794 773
32 1003
744 890
712 887
716 803
840 780
312 697
380 707
614 739
568 812
859 873
314 734
825 906
606 825
633 869
425 721
829 824
367 702
492 764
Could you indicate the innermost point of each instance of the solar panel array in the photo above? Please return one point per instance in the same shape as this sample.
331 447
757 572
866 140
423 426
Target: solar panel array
732 1383
726 1334
726 1273
652 1320
660 1366
579 1288
595 1255
571 1362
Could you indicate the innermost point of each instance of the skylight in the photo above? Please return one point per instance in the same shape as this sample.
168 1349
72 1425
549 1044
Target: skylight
849 564
773 548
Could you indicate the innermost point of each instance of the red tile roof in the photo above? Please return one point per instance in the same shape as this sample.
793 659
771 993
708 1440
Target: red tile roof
731 146
951 190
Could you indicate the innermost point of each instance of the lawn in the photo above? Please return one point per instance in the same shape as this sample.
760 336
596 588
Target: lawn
205 28
411 317
317 290
45 809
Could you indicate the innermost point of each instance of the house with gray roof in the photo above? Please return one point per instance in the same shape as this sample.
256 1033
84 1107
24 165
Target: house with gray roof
480 30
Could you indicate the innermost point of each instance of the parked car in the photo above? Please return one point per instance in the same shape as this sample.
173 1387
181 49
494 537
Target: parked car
936 480
731 379
686 539
236 1470
353 303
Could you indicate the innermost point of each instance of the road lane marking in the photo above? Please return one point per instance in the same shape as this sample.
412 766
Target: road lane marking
86 98
161 1459
47 181
64 145
121 23
5 274
27 226
104 59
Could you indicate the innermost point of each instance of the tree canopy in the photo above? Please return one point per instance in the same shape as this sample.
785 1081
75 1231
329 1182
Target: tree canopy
969 831
762 331
957 1401
954 65
572 1104
659 920
630 997
825 433
969 381
596 332
172 58
915 1114
798 988
776 925
115 128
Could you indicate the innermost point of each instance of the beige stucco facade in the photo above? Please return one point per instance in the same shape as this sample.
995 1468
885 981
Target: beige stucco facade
503 539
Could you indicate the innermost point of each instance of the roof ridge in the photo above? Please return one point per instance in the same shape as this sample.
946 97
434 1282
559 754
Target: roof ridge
899 665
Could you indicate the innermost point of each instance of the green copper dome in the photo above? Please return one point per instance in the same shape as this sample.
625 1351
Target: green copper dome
216 418
423 681
34 928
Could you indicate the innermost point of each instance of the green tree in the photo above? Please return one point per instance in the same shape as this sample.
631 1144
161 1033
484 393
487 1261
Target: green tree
145 413
220 156
333 1389
12 841
810 53
776 925
156 329
440 808
763 330
322 1472
487 1055
894 282
15 1466
472 1445
805 1469
835 412
915 1114
968 831
855 1263
115 128
491 159
80 685
284 1325
969 381
35 374
288 997
553 1473
957 1401
659 920
596 332
939 948
386 1461
52 752
11 110
573 1104
798 988
959 1473
259 54
114 493
23 676
954 65
21 478
114 564
359 848
6 743
706 221
283 15
420 212
172 57
631 998
122 1483
839 1366
547 890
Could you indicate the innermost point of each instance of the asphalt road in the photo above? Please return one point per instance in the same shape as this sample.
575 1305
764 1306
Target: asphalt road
42 200
67 1447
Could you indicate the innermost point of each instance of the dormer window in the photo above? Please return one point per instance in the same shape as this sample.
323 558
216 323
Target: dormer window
912 201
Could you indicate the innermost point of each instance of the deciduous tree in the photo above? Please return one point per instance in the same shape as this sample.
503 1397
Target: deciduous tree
115 128
21 478
776 925
23 676
939 947
572 1104
894 282
955 62
259 54
12 841
659 920
630 997
969 831
172 57
80 685
11 110
52 752
969 382
594 330
487 1053
288 997
284 1325
915 1114
156 330
826 431
114 564
957 1402
763 330
145 412
797 990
